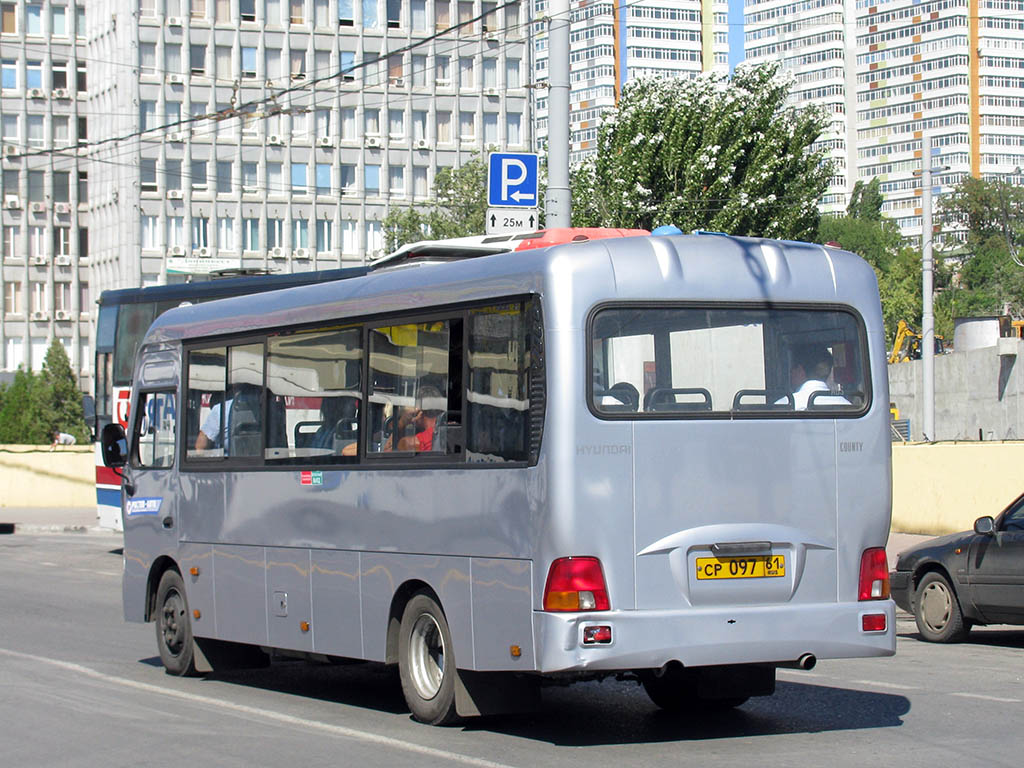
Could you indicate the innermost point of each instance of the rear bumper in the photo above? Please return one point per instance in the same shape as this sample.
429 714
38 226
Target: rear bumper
703 637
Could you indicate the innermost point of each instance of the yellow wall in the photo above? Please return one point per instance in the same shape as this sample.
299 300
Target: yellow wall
937 488
945 487
32 476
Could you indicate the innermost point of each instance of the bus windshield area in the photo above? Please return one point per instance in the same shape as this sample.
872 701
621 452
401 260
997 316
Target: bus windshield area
693 362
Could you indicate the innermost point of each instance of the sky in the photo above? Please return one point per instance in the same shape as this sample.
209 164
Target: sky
735 33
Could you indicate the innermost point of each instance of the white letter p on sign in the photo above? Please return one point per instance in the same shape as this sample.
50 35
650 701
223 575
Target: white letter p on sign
507 164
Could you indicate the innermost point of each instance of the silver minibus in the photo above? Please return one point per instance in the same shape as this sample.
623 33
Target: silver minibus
663 458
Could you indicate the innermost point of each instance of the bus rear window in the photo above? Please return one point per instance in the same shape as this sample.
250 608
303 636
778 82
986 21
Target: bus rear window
686 361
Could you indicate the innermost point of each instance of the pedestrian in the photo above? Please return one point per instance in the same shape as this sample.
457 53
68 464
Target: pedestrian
61 438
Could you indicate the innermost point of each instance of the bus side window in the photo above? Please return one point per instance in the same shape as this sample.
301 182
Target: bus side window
207 380
154 431
497 393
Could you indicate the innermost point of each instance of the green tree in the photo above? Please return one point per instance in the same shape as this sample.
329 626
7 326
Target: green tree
988 265
706 153
21 417
59 396
878 241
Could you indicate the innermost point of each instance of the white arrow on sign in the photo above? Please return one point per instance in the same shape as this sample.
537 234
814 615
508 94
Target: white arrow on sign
517 196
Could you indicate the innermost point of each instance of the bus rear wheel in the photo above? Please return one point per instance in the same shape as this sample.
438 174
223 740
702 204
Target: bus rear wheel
426 663
173 626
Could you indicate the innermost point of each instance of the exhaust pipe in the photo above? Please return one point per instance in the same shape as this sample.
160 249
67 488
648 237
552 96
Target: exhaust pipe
806 662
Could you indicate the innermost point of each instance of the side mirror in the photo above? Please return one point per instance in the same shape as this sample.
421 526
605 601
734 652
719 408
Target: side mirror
114 446
985 526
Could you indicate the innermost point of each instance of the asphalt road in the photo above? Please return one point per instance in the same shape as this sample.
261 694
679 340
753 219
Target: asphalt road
79 687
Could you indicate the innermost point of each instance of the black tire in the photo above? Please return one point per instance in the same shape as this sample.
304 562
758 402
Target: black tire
426 663
937 610
174 626
674 692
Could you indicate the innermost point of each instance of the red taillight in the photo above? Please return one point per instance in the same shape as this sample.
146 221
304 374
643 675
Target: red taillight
874 575
576 584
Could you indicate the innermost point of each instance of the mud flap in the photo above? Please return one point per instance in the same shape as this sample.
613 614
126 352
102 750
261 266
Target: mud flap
494 693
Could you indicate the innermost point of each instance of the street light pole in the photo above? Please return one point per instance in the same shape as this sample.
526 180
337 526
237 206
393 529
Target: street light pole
557 203
927 282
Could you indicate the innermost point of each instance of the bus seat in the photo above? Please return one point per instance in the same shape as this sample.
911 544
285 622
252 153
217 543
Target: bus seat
625 395
762 400
245 431
663 399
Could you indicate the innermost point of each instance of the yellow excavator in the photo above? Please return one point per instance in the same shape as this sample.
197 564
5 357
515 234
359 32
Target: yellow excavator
907 344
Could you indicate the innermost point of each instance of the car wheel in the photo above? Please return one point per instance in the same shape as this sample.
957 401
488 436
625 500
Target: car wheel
426 663
937 610
173 626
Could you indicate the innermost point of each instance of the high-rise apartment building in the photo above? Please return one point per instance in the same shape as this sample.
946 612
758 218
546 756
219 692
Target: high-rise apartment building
891 71
611 42
232 134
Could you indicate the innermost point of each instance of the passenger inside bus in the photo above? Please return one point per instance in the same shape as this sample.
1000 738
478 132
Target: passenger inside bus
415 426
812 367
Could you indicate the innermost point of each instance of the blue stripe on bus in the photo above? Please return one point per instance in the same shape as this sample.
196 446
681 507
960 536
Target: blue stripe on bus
108 497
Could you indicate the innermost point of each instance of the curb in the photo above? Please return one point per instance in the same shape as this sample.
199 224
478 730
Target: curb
10 528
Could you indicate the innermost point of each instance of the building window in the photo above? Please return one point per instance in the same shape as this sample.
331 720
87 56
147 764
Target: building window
33 74
324 236
348 179
58 21
81 78
62 297
467 126
370 14
62 241
442 15
513 128
396 123
197 9
275 179
443 72
59 74
374 238
296 12
444 127
198 169
321 13
491 128
224 177
466 79
299 183
222 62
147 8
36 137
197 59
222 11
322 119
9 11
172 174
396 180
250 234
12 304
150 235
247 9
419 181
300 233
9 74
248 62
298 64
147 59
323 178
419 124
61 131
394 14
226 234
250 177
10 243
200 232
33 19
83 187
418 11
490 73
39 304
346 16
176 231
371 122
371 179
419 70
349 237
275 233
35 186
147 174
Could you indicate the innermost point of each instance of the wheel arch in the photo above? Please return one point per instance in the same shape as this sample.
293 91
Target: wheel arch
160 566
399 600
934 566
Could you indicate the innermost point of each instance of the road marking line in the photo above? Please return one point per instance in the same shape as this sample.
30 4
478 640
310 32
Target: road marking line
986 698
335 730
881 684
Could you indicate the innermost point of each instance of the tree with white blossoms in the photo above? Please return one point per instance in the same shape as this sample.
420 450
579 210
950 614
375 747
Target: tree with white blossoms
706 153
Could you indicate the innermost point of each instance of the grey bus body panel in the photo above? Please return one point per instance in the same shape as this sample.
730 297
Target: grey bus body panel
644 496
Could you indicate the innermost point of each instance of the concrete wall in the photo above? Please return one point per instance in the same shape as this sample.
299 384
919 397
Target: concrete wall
975 390
937 488
33 476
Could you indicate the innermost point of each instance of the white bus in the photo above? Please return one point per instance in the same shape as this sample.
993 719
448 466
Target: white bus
660 457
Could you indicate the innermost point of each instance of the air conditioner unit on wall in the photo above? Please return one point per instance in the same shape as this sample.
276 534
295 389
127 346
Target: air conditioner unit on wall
277 252
10 149
175 250
174 194
37 261
422 144
62 207
60 93
177 136
35 93
274 139
300 253
372 141
40 316
63 314
12 202
173 21
202 253
62 261
38 207
325 141
175 79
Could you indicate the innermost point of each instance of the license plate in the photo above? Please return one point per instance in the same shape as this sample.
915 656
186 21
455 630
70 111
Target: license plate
754 567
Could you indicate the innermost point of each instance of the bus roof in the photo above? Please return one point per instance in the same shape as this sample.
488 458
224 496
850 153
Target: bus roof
223 287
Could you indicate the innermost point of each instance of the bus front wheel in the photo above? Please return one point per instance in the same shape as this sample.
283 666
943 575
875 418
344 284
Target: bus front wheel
426 663
173 626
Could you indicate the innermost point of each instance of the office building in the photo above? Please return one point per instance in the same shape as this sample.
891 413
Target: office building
237 135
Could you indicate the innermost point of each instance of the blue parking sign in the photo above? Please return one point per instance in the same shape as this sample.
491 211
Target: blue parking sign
512 179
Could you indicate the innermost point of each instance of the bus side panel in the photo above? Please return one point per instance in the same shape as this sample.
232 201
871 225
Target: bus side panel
240 586
383 573
502 614
199 587
289 607
337 625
